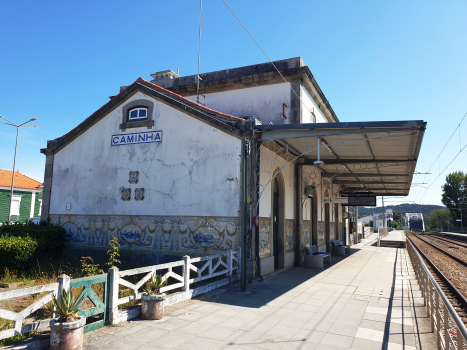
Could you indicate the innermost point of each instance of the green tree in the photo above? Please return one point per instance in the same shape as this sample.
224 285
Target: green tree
433 223
454 196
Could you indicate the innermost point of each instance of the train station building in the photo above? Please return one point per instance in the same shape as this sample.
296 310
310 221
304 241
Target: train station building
262 163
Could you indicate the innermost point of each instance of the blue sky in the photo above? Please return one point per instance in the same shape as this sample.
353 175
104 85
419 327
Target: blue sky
374 61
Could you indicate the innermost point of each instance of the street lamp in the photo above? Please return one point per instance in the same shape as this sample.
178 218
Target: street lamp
14 162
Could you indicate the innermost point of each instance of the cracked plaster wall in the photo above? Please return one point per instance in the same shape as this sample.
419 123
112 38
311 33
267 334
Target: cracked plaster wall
263 102
308 105
195 170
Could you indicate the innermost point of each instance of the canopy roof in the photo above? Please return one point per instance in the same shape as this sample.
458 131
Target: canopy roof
367 158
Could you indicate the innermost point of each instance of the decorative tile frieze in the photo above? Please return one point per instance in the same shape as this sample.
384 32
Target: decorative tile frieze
321 227
306 232
158 234
265 237
289 235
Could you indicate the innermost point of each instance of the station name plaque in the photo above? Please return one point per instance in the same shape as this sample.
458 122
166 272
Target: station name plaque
137 137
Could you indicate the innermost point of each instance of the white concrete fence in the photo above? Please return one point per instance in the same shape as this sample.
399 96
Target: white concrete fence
210 267
225 264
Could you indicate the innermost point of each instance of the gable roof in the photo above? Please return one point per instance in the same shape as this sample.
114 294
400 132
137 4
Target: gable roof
21 181
228 123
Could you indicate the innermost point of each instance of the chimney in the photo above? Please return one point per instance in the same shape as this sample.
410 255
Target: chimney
164 75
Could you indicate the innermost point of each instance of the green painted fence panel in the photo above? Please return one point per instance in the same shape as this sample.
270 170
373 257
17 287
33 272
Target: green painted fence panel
100 306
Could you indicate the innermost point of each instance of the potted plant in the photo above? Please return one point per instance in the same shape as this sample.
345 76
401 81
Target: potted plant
152 300
67 330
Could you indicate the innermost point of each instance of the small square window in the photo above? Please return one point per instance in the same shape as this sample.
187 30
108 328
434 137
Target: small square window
142 113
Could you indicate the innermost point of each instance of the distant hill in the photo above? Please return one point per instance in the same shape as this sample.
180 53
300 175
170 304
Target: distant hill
425 209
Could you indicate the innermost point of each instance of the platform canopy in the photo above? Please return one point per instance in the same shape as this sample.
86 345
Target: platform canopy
367 158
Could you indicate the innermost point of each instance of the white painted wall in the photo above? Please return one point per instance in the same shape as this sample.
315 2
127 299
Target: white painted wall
308 106
268 165
195 171
262 102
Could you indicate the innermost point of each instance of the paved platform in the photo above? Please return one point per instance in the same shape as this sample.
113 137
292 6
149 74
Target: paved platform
395 236
368 300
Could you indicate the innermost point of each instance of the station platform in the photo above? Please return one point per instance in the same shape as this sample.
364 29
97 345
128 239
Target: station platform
367 300
395 239
396 235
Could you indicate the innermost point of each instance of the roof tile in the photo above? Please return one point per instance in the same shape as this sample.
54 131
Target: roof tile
21 181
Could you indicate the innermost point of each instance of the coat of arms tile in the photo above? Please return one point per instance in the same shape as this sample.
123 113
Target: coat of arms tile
126 194
134 177
139 194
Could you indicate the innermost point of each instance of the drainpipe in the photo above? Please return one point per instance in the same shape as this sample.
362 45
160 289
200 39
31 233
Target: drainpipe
243 189
258 259
298 211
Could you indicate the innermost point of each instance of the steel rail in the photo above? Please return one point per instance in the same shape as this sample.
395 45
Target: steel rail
457 320
459 260
457 293
453 240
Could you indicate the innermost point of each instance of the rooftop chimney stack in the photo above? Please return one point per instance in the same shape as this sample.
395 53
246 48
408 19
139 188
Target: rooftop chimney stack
164 75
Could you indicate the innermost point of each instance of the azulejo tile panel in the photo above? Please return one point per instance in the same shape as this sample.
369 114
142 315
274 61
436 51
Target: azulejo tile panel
306 232
126 193
321 226
174 234
339 230
265 237
289 235
332 231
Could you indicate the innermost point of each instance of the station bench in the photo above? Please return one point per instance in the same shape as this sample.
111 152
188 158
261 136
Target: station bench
340 249
315 259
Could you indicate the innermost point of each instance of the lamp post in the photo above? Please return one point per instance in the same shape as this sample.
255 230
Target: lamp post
14 161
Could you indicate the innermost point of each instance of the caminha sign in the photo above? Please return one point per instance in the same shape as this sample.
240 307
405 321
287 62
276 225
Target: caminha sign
134 138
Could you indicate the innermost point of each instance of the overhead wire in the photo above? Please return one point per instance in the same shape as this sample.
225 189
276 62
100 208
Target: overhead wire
437 158
251 36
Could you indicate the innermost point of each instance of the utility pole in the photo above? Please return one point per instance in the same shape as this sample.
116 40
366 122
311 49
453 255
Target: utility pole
14 161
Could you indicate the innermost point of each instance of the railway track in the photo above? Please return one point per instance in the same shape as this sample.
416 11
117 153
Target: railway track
452 240
450 273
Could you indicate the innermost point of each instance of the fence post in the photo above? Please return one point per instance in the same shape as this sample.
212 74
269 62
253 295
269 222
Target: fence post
432 320
63 283
460 339
230 261
113 295
438 322
446 327
186 273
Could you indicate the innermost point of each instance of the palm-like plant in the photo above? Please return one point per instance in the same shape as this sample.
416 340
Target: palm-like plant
66 307
154 285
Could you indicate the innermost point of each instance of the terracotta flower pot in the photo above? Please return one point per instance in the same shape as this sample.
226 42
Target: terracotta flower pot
152 307
67 335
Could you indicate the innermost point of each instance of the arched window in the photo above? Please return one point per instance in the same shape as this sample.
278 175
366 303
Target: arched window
138 113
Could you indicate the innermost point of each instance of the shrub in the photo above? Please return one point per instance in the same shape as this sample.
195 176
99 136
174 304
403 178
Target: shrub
51 240
16 250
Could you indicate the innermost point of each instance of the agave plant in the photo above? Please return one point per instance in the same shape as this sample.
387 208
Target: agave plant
66 307
154 285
